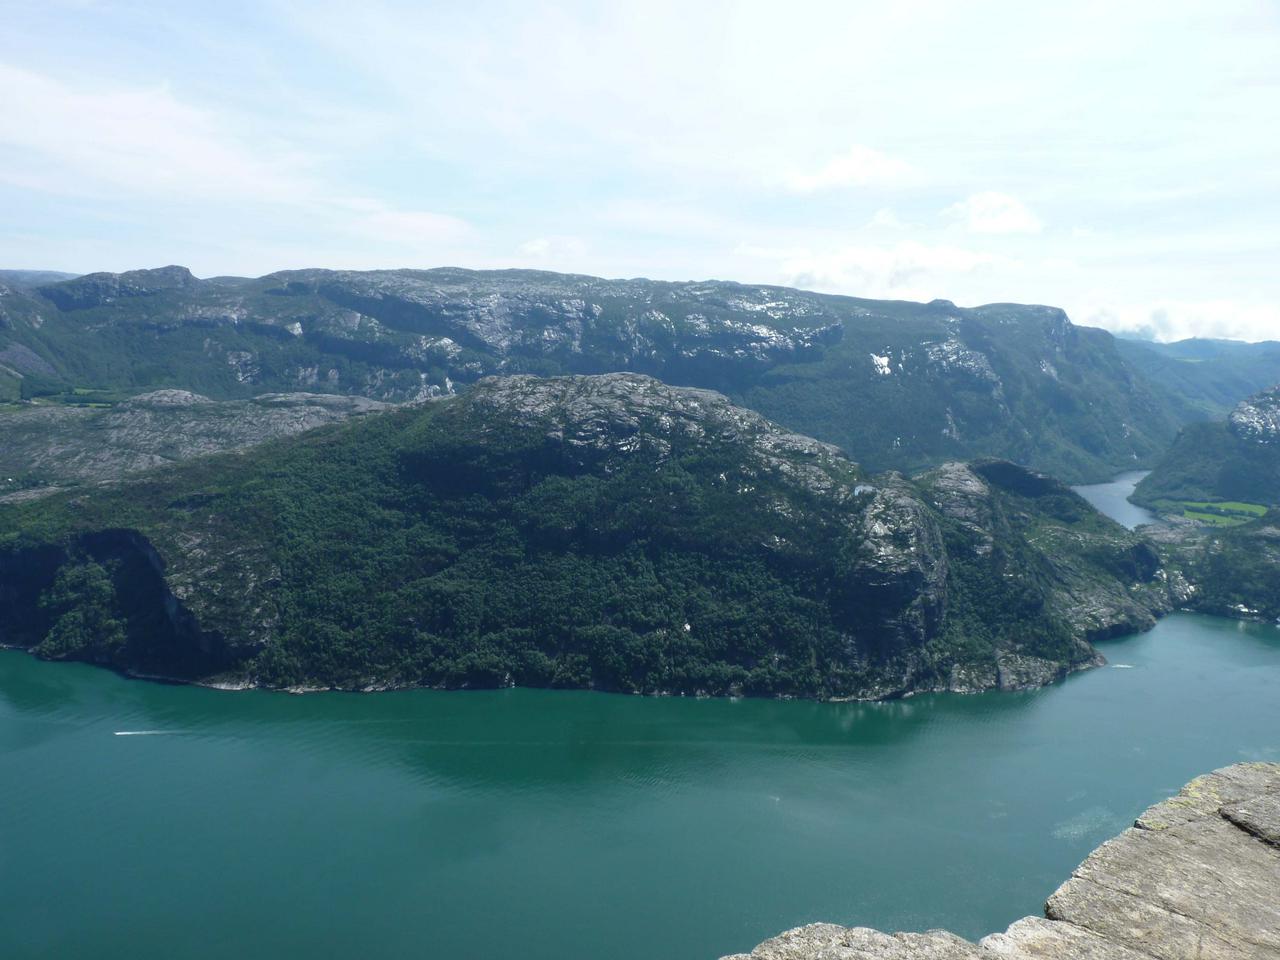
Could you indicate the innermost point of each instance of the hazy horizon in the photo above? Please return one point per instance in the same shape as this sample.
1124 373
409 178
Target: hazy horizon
1118 163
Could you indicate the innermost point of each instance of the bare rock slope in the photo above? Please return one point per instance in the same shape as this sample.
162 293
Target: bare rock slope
1197 877
43 447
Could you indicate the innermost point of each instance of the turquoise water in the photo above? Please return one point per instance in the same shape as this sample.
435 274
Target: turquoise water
576 825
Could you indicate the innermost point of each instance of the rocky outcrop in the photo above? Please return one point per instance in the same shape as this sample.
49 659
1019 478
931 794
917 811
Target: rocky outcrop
628 414
1197 877
1257 419
46 447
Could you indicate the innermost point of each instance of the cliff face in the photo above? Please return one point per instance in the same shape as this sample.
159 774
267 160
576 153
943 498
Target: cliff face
611 532
1196 878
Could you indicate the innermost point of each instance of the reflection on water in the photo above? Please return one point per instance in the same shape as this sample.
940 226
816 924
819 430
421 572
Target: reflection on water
568 824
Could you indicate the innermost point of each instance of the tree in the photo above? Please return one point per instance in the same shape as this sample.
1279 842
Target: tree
81 606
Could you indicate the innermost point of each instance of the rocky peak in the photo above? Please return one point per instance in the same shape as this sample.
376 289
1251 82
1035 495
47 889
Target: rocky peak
627 413
96 289
1258 418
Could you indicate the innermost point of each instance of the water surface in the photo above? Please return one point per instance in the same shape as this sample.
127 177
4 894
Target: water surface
142 820
1112 498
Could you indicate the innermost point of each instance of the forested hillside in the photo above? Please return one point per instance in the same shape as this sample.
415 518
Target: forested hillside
609 532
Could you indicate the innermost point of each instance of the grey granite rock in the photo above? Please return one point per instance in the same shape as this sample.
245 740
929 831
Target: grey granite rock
1196 878
1258 418
55 446
621 413
826 941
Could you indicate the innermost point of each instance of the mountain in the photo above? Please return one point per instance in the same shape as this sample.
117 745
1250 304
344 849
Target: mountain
52 445
898 385
33 278
587 531
1204 379
1234 462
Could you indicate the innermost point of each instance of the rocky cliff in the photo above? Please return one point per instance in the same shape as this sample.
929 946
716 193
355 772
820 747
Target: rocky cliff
1196 878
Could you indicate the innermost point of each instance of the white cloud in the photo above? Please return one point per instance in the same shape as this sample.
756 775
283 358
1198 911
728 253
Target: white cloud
885 217
144 144
376 219
992 212
859 167
1169 320
84 140
553 250
907 270
131 134
666 217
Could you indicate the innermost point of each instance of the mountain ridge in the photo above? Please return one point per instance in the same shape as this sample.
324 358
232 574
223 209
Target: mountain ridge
900 385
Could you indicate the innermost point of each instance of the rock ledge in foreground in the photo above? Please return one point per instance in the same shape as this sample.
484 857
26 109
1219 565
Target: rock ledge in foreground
1197 876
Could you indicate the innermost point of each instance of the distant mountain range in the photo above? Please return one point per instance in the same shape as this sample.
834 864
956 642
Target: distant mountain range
33 278
1205 379
896 385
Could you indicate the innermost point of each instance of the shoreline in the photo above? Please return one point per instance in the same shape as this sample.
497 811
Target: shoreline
1059 673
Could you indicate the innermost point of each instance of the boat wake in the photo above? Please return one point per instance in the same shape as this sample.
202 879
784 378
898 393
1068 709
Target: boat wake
145 733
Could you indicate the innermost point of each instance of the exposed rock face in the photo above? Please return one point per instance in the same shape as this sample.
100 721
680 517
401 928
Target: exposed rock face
1090 575
1258 418
515 311
24 360
966 498
1196 878
625 413
50 446
903 565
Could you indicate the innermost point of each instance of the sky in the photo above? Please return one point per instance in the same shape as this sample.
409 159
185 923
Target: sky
1120 160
